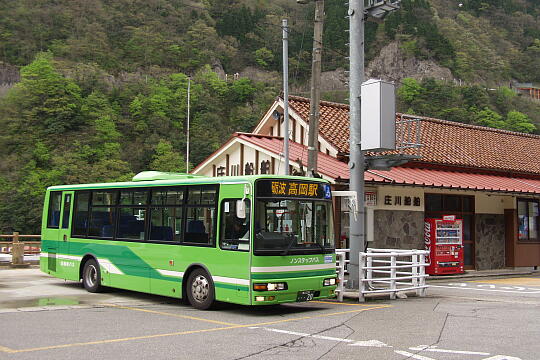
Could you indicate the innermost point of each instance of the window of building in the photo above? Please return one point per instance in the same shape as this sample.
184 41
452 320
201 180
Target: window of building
528 218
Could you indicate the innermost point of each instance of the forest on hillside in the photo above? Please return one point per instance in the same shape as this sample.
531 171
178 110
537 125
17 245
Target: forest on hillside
103 84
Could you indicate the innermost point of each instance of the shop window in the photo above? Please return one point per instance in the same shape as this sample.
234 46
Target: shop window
528 218
434 202
452 203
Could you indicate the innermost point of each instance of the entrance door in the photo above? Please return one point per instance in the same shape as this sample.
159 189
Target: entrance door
462 207
67 263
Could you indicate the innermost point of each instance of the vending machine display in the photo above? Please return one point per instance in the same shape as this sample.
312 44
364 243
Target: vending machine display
443 239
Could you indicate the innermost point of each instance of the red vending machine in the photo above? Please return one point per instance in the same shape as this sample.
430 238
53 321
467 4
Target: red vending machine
444 240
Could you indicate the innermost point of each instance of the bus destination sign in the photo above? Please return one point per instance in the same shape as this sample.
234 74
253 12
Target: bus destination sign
290 188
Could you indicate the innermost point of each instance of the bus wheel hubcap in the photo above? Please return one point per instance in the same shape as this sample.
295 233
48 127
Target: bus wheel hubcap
200 288
91 275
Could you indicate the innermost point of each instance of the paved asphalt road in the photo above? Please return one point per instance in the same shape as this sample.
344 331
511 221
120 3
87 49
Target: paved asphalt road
47 318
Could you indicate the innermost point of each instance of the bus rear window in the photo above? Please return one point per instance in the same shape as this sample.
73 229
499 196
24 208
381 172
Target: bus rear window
53 217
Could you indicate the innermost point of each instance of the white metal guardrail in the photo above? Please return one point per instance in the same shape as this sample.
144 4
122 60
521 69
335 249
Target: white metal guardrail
391 271
341 268
385 271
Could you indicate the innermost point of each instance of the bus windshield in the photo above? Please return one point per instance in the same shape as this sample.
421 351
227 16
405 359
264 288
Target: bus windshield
293 226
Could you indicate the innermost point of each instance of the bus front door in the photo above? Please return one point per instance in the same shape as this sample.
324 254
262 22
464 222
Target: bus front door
67 264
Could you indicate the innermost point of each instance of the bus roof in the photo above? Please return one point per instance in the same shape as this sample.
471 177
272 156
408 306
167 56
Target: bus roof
169 179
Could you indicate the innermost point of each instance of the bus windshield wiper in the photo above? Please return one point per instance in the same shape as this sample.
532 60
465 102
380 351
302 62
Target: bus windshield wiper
292 241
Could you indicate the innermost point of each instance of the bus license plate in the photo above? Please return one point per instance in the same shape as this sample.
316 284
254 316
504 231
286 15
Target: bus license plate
305 295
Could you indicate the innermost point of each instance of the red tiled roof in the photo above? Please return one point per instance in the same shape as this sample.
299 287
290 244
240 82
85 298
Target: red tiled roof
333 120
333 168
327 165
452 179
443 142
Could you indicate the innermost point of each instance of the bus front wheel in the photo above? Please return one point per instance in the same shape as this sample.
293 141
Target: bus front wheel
200 290
92 276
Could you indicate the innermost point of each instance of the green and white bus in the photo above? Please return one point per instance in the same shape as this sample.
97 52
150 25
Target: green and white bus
253 240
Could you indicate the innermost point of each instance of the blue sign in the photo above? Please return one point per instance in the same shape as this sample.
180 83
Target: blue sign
327 192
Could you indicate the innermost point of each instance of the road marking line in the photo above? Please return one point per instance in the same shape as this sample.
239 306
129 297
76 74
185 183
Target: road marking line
318 316
481 298
412 356
370 343
98 342
491 290
337 303
427 348
502 357
169 314
304 334
6 349
511 281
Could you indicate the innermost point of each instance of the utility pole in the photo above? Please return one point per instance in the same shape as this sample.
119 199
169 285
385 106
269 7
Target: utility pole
358 11
314 105
187 132
286 93
356 160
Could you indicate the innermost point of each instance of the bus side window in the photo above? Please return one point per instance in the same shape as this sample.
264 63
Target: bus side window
53 216
67 209
234 231
80 216
201 215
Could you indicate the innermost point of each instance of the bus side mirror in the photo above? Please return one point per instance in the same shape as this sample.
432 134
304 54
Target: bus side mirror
240 209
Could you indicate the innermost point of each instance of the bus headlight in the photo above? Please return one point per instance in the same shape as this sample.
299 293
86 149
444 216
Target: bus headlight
270 286
329 282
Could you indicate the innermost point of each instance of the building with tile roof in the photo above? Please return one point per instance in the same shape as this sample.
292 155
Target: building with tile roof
487 177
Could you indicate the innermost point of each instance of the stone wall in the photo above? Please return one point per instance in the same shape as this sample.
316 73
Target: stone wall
490 241
398 229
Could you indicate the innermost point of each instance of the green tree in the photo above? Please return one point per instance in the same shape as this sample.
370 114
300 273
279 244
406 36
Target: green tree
490 118
264 57
409 90
167 159
517 121
46 100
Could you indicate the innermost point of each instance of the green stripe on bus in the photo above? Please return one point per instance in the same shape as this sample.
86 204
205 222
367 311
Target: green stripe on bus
231 286
137 266
283 275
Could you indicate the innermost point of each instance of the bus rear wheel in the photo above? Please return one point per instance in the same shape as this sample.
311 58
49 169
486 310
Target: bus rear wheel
92 276
200 290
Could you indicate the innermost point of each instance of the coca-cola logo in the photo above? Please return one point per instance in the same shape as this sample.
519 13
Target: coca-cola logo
427 233
427 240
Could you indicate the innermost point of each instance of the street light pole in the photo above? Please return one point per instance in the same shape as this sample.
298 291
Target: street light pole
187 132
286 94
314 105
356 160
